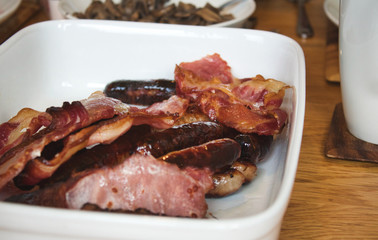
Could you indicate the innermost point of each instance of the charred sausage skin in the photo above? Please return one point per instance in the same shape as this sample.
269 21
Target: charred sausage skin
140 92
215 155
254 147
139 139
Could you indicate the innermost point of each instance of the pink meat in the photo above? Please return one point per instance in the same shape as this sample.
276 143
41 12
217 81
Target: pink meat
64 120
140 182
209 67
159 115
20 127
250 105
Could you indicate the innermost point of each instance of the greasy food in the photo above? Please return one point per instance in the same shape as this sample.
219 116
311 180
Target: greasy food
204 136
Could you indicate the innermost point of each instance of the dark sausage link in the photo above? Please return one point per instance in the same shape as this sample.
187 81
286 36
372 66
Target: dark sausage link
179 137
254 147
214 155
141 92
142 139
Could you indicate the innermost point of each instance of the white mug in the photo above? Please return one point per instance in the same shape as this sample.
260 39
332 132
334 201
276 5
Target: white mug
358 43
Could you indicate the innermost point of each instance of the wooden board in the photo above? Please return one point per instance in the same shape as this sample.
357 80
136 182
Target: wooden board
342 144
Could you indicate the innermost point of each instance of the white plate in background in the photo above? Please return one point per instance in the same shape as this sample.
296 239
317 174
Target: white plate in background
65 60
7 8
241 11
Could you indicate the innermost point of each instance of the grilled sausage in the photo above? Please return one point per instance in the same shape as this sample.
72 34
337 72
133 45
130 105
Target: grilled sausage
226 183
215 155
141 92
139 139
231 180
254 147
248 169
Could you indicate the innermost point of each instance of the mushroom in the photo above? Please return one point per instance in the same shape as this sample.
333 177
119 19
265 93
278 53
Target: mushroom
154 11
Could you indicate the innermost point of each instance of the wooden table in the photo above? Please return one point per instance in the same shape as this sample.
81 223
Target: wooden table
331 199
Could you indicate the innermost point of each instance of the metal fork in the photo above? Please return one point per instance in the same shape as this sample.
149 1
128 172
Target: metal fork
304 28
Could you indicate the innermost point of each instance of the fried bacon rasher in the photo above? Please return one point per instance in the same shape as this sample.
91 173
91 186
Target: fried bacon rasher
250 105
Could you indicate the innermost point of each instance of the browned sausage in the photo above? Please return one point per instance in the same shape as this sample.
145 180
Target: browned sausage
215 155
226 183
230 181
248 169
179 137
254 147
141 139
141 92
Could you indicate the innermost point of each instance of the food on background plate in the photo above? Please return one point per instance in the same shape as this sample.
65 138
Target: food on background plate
202 137
158 11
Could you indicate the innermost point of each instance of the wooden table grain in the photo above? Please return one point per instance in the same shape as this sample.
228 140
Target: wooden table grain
332 198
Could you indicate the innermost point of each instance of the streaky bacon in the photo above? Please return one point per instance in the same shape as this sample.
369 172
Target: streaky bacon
260 93
249 105
139 182
64 120
210 67
160 115
240 117
42 167
20 127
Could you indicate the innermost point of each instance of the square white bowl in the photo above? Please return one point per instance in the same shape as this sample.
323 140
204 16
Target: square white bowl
55 61
241 11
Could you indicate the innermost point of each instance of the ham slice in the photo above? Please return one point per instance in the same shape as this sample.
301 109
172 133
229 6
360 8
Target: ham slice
140 182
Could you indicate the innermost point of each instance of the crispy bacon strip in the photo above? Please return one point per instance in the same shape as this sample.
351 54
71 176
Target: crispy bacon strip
140 182
41 168
238 116
65 120
248 105
260 93
209 68
23 125
159 115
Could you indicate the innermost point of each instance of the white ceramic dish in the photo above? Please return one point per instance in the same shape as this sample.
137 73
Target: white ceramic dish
241 11
55 61
7 8
331 8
